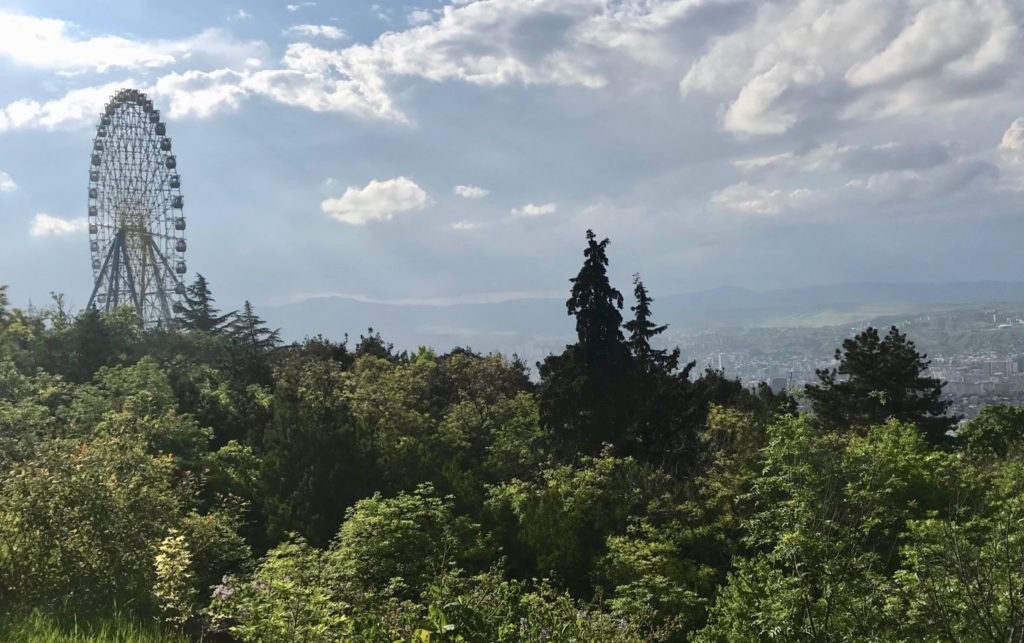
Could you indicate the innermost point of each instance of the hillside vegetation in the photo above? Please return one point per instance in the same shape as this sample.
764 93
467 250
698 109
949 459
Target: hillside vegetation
207 481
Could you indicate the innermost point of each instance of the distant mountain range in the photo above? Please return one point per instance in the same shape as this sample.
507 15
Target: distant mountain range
533 327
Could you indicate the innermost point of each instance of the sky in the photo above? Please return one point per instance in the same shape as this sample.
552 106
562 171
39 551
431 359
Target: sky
458 151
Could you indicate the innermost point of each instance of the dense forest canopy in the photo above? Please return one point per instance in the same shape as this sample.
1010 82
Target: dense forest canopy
209 479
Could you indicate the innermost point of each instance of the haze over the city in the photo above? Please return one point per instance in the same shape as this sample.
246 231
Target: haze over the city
456 152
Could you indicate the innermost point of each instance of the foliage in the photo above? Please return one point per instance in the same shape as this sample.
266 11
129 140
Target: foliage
288 598
304 484
207 479
392 547
826 538
248 330
642 330
963 576
199 312
174 587
877 379
557 526
79 523
997 430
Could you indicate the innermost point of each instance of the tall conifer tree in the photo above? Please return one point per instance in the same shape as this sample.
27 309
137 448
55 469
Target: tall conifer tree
199 311
584 392
248 329
642 330
596 305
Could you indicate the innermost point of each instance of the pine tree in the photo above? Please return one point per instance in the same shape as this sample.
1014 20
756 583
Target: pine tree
585 391
199 313
642 330
596 305
878 379
248 329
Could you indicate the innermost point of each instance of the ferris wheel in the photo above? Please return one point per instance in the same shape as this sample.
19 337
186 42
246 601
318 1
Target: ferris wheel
136 219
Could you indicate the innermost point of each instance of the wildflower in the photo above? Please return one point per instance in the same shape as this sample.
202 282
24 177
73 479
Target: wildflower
223 592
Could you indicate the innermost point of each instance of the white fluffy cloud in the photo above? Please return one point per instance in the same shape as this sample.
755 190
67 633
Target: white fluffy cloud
864 58
45 225
471 191
535 210
316 31
750 199
1011 154
50 43
76 107
295 7
378 201
1013 137
7 184
772 67
201 94
465 225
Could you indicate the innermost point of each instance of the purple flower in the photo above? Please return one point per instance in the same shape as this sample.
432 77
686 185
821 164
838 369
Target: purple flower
223 592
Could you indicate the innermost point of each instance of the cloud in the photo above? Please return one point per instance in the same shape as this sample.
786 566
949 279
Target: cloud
749 199
901 186
1013 137
466 225
487 43
49 43
45 225
77 107
471 191
314 78
200 94
419 17
295 7
378 201
7 184
834 156
898 58
534 210
240 15
313 31
1010 155
499 42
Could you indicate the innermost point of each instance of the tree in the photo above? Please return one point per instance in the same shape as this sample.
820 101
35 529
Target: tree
642 330
557 526
998 429
373 344
585 393
596 305
314 462
831 511
199 313
394 547
78 523
249 330
878 379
